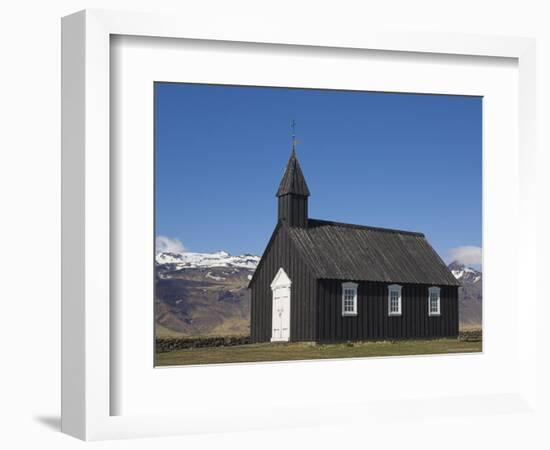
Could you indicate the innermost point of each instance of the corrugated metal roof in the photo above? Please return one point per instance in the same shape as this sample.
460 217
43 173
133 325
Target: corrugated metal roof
293 181
355 252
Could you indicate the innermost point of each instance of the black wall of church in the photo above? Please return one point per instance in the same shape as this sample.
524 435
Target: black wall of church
303 317
372 320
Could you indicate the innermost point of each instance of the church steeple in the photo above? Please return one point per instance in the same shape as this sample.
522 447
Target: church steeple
293 192
293 181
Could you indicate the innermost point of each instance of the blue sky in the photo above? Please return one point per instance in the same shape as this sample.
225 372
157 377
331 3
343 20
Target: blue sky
402 161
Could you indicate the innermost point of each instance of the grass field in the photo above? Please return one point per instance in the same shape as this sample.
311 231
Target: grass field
300 351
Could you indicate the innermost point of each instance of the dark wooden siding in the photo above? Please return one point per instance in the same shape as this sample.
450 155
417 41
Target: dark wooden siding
281 252
293 210
372 320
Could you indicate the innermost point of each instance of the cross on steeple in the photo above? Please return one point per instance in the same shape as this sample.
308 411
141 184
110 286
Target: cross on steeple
293 126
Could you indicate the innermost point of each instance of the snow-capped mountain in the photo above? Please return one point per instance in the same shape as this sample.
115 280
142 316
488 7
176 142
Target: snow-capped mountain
191 260
463 273
469 293
200 294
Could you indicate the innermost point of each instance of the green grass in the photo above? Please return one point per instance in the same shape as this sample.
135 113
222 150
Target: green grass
301 351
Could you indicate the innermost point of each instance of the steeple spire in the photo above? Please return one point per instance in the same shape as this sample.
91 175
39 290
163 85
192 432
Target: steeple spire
293 191
293 181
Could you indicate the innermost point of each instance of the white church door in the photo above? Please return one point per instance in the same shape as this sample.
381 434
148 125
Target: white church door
281 307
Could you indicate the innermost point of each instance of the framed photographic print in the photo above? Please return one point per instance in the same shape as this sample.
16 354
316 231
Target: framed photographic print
269 228
293 287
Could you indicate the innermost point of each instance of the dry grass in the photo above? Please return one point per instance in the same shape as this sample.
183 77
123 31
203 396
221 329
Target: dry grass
304 351
164 332
470 327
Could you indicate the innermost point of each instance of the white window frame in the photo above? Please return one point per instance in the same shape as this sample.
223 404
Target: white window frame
434 290
394 288
349 286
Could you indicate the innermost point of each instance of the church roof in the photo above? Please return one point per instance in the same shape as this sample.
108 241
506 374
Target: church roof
293 181
354 252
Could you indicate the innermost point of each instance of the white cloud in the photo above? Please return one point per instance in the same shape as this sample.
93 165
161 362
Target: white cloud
166 244
468 255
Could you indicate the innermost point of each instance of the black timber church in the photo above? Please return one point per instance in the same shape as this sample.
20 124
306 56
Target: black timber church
326 281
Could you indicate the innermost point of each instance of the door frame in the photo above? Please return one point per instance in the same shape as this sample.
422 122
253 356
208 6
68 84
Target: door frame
280 281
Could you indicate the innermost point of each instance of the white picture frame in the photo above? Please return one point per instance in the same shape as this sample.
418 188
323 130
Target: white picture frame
88 320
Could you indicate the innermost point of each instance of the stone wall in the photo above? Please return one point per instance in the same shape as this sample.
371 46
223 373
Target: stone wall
169 344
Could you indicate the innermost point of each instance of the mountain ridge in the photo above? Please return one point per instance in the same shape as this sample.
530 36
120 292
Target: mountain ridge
206 293
469 294
217 259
